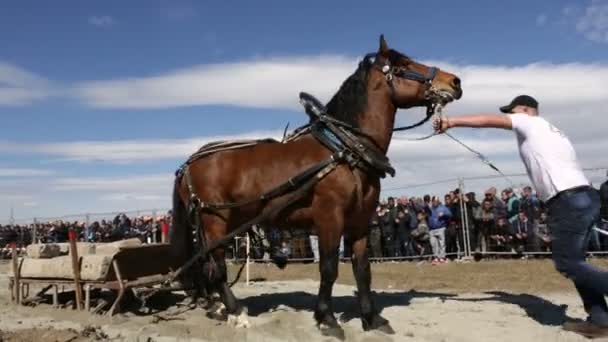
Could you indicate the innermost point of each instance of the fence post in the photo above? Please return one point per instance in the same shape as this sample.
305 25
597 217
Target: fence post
154 227
466 222
463 219
34 233
247 261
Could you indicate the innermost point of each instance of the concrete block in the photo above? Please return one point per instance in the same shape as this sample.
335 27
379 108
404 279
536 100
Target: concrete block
83 248
115 247
92 267
43 250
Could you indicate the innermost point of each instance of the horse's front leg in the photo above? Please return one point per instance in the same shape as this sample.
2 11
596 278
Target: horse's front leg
370 317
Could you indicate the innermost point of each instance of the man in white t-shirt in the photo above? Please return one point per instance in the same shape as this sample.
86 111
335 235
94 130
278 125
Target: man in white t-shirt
574 206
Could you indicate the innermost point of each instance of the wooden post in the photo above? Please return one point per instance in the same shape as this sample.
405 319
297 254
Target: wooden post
55 296
16 274
121 290
87 297
75 268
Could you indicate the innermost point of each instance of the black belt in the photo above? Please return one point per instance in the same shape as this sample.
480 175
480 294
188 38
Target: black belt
568 192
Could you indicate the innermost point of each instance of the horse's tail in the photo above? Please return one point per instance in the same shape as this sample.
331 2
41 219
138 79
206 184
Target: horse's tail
183 246
180 236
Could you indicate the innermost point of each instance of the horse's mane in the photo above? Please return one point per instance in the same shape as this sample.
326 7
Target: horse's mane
351 99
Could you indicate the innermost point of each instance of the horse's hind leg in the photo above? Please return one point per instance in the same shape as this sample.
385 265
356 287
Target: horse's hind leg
215 229
330 230
362 271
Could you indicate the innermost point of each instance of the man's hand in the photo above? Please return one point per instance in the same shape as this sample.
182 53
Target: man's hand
441 124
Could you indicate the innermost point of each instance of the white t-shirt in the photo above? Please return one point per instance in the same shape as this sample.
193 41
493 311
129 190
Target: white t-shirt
548 156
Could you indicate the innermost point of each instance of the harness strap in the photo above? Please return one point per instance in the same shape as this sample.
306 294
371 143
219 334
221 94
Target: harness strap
280 190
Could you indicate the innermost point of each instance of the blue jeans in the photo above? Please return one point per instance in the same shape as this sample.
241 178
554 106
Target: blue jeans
570 219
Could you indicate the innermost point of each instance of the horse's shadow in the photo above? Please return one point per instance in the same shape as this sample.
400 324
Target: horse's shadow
539 309
346 306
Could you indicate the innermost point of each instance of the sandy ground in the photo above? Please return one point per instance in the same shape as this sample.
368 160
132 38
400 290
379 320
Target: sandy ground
485 301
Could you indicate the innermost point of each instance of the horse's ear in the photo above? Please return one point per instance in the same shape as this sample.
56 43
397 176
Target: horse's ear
384 49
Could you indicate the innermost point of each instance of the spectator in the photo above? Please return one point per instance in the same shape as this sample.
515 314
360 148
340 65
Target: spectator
530 204
500 210
426 203
388 227
522 229
375 235
512 204
486 225
451 238
473 218
91 232
440 217
420 235
404 221
500 236
544 235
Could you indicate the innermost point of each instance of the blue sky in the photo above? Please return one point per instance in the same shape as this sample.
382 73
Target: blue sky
125 80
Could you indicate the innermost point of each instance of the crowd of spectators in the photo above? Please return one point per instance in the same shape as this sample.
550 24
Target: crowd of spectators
507 222
146 228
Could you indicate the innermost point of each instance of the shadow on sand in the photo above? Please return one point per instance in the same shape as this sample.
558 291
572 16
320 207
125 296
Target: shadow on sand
347 307
539 309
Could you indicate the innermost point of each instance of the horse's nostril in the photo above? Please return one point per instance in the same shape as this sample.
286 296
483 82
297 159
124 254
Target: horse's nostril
456 82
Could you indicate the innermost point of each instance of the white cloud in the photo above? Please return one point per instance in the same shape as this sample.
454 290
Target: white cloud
19 86
103 21
541 19
275 83
126 151
22 172
127 197
113 184
594 21
269 83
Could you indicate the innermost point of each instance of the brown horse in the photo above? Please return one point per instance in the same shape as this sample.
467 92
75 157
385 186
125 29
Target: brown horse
341 203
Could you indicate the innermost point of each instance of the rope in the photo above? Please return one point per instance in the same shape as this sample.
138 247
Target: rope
481 157
438 111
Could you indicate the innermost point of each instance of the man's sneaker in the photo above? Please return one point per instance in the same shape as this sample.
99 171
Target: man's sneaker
435 262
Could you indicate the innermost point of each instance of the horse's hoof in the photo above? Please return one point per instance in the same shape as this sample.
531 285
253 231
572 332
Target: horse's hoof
387 329
239 321
217 311
332 331
378 323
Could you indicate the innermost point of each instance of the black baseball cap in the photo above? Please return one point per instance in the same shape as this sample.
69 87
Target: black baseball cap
521 100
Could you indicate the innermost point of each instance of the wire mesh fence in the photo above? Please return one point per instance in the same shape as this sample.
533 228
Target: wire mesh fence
467 244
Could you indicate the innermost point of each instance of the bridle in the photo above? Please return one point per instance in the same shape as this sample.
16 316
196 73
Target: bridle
431 95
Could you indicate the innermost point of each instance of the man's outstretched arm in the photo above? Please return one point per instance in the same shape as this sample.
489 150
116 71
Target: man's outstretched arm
474 121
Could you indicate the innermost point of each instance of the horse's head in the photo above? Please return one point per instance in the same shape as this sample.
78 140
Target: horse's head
410 83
